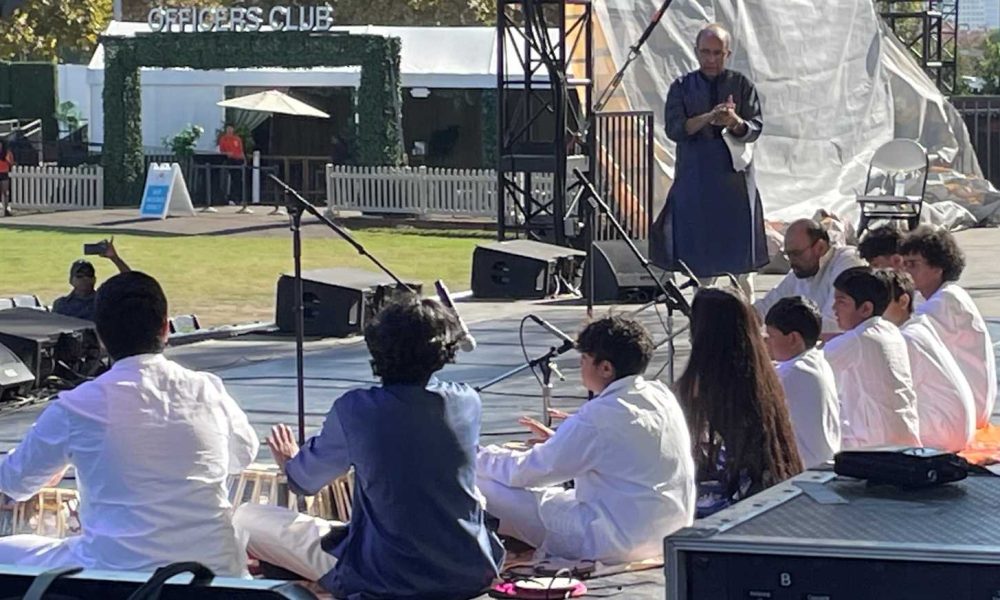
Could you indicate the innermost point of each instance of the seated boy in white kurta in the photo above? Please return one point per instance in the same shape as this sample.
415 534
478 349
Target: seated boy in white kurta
627 451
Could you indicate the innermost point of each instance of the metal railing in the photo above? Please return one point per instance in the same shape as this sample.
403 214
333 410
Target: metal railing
624 176
982 119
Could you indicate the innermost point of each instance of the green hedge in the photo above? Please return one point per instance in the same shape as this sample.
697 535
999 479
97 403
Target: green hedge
30 89
4 89
378 98
488 119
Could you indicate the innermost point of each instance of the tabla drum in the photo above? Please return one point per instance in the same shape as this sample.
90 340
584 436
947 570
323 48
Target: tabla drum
266 484
53 512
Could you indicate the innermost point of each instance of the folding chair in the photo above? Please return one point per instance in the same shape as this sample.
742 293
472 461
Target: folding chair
895 185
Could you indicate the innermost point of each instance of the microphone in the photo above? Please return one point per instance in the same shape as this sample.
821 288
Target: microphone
568 342
465 340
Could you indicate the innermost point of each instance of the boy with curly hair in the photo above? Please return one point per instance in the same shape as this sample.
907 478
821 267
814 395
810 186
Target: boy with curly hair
416 528
935 262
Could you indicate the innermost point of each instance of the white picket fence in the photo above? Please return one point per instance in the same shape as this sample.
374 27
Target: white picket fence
57 188
416 191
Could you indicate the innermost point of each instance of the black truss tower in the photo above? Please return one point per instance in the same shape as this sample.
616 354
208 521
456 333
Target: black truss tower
544 99
929 29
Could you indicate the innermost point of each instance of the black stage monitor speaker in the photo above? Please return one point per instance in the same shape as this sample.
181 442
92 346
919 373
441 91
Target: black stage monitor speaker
818 536
336 302
49 344
524 269
15 377
618 275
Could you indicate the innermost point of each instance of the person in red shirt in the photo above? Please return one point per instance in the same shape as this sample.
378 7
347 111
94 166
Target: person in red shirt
6 163
231 145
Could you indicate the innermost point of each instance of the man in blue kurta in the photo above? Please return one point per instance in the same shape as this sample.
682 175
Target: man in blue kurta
416 529
713 220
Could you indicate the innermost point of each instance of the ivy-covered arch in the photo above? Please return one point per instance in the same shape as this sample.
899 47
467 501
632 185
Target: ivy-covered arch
378 101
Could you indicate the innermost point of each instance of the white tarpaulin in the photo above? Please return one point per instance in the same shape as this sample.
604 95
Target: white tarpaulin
835 85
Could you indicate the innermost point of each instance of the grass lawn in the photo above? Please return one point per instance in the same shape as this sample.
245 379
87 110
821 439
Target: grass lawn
230 279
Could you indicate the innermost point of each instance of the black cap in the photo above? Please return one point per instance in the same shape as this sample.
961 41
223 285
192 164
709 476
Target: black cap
81 265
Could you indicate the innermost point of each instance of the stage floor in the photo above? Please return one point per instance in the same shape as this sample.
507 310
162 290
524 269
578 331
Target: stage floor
259 370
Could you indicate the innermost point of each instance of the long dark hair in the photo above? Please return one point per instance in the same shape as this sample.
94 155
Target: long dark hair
732 397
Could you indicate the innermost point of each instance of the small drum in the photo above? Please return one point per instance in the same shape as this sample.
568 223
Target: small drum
266 484
53 512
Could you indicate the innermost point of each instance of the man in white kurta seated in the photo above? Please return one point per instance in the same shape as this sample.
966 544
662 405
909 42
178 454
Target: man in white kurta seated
878 406
627 451
814 263
934 260
793 328
944 399
153 445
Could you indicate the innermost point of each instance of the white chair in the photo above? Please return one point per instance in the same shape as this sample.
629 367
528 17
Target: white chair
895 186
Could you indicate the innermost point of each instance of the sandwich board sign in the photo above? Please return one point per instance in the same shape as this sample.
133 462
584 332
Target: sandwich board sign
166 193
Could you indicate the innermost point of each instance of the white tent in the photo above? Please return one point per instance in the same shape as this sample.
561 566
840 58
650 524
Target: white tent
834 82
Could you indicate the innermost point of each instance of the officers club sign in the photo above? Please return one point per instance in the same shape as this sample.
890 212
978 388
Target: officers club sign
241 18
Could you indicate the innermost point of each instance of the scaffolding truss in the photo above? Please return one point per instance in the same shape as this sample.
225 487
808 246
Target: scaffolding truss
929 29
544 98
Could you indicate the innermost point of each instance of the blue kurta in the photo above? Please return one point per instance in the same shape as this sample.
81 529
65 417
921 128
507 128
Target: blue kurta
416 527
710 220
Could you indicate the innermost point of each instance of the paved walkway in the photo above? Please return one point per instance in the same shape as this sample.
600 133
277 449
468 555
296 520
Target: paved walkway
227 221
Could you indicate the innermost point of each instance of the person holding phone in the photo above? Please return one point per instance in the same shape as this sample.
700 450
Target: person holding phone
79 302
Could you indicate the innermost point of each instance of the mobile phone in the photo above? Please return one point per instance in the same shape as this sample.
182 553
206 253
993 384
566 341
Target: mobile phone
97 248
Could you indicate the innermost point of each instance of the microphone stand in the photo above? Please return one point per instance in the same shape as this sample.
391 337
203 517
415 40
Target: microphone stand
297 205
545 365
670 295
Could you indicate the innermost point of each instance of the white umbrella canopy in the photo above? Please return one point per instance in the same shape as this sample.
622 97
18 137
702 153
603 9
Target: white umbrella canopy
273 101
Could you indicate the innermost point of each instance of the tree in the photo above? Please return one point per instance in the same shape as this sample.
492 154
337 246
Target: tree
355 12
989 65
50 30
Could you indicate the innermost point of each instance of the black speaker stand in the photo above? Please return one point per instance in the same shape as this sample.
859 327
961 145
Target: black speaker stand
670 294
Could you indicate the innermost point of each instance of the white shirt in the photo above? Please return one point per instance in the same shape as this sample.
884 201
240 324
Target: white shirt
811 393
962 329
629 453
153 444
878 406
818 288
944 399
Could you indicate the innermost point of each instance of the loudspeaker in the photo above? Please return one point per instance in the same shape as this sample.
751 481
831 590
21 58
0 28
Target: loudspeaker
618 275
336 302
49 344
15 377
524 269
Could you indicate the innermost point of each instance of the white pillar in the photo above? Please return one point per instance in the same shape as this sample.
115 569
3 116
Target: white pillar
256 177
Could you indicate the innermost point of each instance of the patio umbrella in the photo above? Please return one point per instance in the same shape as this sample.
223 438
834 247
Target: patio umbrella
273 101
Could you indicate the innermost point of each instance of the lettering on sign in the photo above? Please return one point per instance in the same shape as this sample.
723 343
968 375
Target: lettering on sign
240 18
